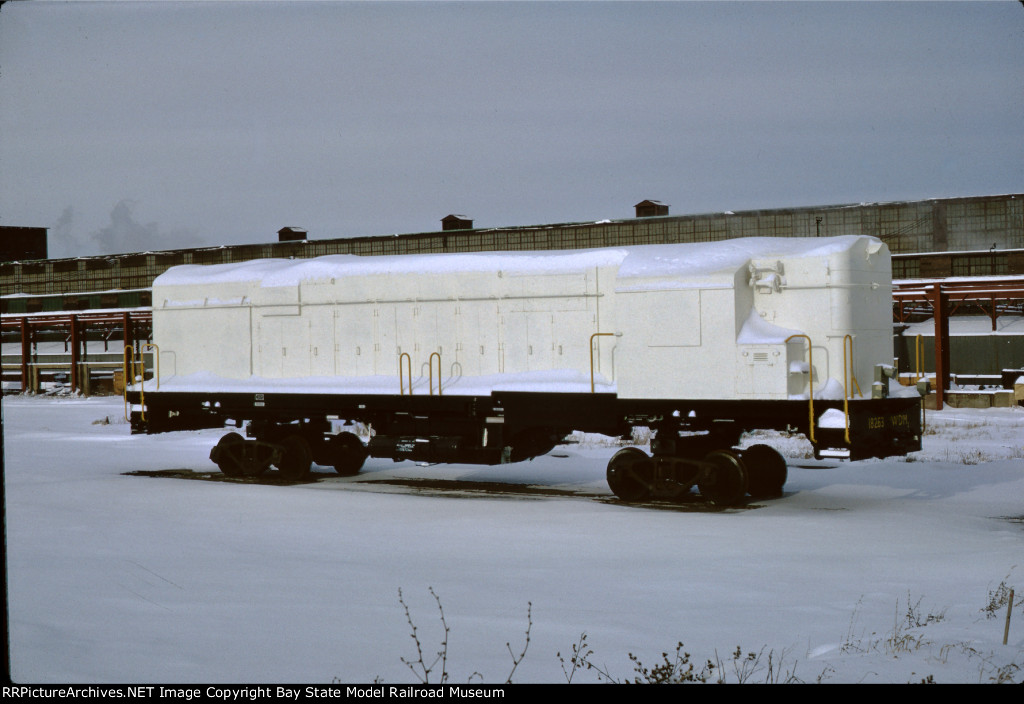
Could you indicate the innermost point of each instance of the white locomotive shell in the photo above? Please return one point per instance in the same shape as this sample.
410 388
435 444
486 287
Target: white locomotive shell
687 321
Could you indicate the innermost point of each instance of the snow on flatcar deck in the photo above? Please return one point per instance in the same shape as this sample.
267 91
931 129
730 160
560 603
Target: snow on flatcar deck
547 381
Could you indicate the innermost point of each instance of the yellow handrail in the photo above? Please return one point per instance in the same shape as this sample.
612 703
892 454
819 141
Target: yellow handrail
137 369
401 380
810 380
853 373
848 366
596 334
430 362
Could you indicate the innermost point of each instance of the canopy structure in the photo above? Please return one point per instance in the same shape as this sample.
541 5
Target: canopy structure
126 327
946 297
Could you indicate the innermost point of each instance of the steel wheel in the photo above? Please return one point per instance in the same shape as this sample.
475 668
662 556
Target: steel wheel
225 453
348 453
726 484
766 469
296 459
630 474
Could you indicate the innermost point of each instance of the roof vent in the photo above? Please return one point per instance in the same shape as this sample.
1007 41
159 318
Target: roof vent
650 208
291 234
456 222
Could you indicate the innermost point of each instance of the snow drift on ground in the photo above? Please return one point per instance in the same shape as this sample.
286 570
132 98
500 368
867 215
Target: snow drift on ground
873 571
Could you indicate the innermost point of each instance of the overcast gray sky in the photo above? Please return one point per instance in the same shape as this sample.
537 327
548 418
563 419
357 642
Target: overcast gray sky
155 125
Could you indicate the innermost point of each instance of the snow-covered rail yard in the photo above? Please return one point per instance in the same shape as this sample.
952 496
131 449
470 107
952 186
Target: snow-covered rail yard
871 571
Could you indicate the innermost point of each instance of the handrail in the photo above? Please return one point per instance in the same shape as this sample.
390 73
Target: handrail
141 368
156 348
810 380
430 362
596 334
848 366
401 380
128 374
853 373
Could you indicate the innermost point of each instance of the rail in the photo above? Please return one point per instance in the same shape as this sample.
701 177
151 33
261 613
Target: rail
810 382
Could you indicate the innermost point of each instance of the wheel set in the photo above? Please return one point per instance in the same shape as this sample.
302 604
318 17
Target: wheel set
723 477
291 454
238 457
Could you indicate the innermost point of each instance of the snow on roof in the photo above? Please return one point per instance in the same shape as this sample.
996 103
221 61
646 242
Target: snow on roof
290 272
643 261
713 260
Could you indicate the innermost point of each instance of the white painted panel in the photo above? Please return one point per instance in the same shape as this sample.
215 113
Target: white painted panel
673 317
675 312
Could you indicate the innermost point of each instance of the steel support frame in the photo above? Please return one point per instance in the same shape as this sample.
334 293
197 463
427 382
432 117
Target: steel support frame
945 297
74 326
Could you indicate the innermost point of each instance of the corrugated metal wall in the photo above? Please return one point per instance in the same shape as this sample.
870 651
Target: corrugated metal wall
977 354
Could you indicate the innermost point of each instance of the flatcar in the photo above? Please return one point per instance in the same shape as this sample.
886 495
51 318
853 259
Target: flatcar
496 357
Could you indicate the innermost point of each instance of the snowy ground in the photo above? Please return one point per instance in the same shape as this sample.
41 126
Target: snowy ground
115 578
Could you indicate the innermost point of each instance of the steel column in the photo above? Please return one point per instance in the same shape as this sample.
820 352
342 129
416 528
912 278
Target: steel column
75 355
26 350
940 305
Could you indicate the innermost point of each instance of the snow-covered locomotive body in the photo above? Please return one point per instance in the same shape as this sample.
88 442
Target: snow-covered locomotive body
493 357
695 321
